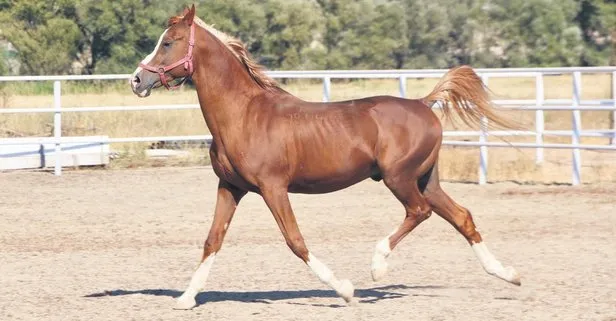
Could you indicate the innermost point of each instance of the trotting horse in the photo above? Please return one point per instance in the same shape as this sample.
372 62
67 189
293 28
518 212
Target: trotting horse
269 142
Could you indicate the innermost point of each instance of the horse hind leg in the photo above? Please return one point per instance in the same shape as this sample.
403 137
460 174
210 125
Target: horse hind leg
406 190
462 220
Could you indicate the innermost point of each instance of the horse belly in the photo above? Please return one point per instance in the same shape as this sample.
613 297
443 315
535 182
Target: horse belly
327 185
331 176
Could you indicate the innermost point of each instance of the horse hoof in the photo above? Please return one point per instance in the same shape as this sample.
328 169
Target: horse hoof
353 302
346 291
185 303
379 269
514 277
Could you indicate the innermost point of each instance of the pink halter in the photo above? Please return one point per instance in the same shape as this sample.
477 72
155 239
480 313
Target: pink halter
187 61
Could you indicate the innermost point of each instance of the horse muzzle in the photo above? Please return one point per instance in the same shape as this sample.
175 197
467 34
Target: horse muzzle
142 84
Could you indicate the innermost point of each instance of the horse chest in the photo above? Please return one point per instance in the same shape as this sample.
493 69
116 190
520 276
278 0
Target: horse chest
225 169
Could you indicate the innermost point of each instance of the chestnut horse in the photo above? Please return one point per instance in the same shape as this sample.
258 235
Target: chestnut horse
269 142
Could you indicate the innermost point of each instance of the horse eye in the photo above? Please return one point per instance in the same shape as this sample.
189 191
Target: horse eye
167 44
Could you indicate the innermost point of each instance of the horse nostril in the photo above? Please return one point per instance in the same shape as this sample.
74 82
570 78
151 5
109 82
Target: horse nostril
136 80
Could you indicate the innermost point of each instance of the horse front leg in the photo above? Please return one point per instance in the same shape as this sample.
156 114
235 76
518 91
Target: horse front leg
228 197
277 200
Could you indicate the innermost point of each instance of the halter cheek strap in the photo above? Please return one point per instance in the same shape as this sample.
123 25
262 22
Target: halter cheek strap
187 61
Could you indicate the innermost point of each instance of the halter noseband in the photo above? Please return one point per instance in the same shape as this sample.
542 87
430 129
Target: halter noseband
187 61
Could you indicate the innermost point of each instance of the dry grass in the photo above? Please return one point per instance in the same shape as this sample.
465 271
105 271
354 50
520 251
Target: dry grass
136 158
507 164
456 163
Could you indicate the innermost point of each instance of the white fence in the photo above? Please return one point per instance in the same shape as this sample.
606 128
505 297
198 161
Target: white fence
539 105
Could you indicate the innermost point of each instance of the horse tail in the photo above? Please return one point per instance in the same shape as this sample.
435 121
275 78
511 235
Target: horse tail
462 90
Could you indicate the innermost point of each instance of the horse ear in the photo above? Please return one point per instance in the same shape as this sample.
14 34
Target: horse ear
186 10
190 15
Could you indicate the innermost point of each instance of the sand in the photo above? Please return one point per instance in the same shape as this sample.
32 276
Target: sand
122 244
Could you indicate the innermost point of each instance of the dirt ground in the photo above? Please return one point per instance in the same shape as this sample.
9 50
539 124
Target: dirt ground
122 244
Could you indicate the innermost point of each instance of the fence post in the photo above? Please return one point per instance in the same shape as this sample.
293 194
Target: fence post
613 120
577 124
483 150
539 118
403 86
326 89
57 125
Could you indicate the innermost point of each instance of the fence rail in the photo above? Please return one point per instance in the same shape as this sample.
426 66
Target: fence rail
539 105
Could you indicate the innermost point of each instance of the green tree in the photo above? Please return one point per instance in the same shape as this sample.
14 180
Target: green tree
536 32
386 40
88 36
363 34
4 70
243 19
608 18
290 40
117 34
597 20
428 33
46 40
52 37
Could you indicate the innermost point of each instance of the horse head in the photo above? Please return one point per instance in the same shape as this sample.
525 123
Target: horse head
172 58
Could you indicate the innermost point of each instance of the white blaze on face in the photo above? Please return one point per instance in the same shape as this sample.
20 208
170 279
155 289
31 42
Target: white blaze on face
149 57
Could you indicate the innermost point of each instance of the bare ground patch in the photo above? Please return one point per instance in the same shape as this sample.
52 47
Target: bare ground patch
122 244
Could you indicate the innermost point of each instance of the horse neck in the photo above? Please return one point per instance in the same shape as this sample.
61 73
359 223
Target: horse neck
223 85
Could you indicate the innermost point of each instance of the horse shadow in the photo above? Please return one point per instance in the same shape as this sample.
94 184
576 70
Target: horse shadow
369 295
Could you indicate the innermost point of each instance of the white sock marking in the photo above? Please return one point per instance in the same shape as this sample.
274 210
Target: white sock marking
487 260
493 266
379 259
383 248
197 283
321 270
344 288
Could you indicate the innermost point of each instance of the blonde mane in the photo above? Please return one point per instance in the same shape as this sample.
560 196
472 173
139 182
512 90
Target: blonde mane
238 49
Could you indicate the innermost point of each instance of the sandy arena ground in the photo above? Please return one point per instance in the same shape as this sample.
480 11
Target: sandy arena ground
122 244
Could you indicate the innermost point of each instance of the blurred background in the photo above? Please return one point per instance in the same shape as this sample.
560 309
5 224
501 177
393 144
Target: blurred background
86 37
97 37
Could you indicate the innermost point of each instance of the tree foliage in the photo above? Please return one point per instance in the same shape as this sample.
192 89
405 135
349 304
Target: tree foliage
88 36
62 36
47 41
